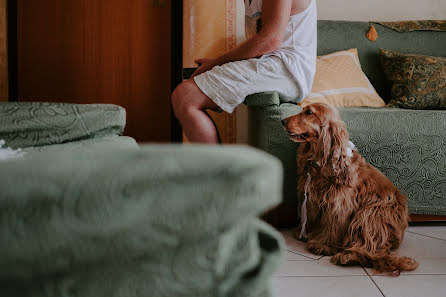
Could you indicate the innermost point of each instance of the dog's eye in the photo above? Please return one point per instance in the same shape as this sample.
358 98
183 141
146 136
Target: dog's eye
308 111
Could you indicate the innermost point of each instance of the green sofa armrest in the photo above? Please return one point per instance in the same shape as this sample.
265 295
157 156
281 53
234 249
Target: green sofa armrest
265 131
265 99
29 124
265 111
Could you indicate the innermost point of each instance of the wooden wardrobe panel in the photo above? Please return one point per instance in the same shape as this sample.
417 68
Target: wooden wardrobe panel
99 51
3 54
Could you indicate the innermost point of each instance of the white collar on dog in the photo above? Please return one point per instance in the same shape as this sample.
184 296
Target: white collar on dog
350 147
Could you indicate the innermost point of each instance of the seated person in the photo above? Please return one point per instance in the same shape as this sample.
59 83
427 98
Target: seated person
279 55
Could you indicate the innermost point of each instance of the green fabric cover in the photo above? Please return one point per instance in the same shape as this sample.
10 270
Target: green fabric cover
334 36
164 220
267 133
407 145
408 26
28 124
101 143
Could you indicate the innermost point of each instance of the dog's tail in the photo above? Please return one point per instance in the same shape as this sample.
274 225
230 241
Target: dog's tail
394 264
381 261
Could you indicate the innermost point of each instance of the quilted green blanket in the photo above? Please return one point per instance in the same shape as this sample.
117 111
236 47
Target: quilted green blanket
26 124
160 221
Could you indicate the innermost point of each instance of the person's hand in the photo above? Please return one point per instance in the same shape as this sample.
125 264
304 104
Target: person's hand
204 65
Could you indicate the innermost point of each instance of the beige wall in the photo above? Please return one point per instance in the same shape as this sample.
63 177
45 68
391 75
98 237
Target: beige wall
204 31
3 54
381 10
210 29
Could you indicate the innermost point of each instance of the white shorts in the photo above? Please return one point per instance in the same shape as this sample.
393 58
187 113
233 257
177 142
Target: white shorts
229 84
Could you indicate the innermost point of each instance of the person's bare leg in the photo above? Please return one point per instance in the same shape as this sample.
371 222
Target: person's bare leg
189 103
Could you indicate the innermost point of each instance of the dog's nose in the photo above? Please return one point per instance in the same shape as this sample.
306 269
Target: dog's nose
284 122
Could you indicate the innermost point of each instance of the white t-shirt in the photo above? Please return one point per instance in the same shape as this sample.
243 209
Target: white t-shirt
299 48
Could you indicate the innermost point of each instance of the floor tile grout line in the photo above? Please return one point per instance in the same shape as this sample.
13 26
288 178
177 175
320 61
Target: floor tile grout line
354 275
301 255
376 285
320 257
444 258
309 260
337 276
413 274
426 235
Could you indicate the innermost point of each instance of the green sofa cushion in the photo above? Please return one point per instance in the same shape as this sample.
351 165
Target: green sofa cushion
418 80
334 36
27 124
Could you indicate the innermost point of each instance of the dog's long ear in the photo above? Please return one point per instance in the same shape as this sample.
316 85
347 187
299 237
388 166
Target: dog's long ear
339 161
324 144
333 137
339 141
332 147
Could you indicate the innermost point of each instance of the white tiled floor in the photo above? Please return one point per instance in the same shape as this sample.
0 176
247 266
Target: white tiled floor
304 274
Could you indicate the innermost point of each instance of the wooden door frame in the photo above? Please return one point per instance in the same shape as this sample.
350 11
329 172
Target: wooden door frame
176 62
11 20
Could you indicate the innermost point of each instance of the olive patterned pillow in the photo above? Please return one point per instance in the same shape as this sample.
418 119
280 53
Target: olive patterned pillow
419 82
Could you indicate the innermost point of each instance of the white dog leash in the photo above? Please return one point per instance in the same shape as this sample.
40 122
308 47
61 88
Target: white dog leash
303 213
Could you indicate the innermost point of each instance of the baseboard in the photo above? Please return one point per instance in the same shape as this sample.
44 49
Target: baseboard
282 216
427 218
285 216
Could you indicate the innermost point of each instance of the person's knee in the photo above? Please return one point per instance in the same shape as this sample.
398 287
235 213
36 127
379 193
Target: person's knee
186 99
180 100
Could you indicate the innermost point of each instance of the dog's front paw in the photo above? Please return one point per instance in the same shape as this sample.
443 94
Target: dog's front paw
318 248
344 258
296 233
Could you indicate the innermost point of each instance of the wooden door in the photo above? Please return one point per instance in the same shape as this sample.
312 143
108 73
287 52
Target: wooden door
99 51
3 54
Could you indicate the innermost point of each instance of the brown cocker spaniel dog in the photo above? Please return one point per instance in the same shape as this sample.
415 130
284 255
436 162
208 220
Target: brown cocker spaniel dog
354 212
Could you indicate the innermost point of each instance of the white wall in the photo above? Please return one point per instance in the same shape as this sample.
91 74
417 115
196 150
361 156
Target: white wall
381 10
366 10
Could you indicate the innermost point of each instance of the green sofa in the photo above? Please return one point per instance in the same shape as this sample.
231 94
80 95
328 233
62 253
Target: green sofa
407 145
89 213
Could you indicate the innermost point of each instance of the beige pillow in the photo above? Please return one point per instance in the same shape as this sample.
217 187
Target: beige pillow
340 82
